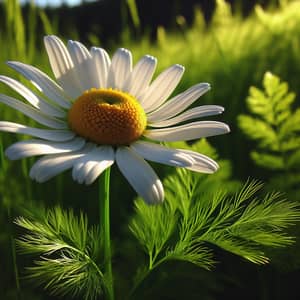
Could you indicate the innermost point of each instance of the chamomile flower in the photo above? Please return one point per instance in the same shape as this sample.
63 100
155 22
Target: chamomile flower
101 110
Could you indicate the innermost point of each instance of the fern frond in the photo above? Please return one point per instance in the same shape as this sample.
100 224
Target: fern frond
67 250
259 131
274 126
199 211
248 250
153 227
192 252
292 124
268 161
243 224
291 144
156 227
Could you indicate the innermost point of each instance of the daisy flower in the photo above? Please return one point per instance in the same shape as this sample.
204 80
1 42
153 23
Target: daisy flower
101 110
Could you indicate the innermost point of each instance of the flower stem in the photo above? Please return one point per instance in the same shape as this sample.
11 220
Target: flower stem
105 231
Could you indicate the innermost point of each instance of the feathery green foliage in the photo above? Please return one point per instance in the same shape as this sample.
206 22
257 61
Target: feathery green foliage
275 127
182 186
241 224
198 213
68 253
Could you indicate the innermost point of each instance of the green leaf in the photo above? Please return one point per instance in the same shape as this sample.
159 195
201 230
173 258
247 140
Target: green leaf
260 131
153 227
247 250
283 100
270 83
275 128
243 229
67 253
192 252
201 210
268 161
291 144
260 106
243 224
292 124
257 95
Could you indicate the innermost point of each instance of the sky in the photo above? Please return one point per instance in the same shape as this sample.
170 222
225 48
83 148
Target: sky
54 2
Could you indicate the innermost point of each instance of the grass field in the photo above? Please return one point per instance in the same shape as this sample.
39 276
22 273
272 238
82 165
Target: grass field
232 54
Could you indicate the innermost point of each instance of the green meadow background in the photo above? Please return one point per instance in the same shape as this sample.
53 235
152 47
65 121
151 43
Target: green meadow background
231 46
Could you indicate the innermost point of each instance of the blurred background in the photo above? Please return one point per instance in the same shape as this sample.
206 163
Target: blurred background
231 45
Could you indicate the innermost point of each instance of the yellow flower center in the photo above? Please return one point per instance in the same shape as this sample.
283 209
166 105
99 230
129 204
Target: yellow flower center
106 116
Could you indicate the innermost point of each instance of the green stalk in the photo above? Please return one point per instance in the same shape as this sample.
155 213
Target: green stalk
14 258
12 240
105 231
15 267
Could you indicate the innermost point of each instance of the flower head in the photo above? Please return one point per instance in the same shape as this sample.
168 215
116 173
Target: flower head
100 111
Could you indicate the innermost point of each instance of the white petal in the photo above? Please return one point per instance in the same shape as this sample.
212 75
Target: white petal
51 135
33 113
161 154
62 66
202 163
89 167
187 132
141 76
120 68
38 147
161 88
179 103
193 113
59 57
42 82
102 62
33 99
140 175
77 168
83 65
105 160
51 165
